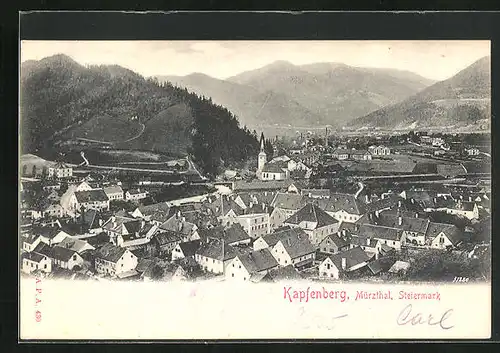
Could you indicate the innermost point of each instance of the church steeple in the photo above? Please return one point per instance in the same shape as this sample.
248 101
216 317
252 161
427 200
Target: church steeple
262 155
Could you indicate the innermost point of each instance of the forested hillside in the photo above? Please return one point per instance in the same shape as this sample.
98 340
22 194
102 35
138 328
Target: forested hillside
63 100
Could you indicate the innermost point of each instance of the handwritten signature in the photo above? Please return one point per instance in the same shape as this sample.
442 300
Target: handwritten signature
406 316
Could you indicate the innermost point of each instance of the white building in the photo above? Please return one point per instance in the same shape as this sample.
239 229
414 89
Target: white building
60 170
114 192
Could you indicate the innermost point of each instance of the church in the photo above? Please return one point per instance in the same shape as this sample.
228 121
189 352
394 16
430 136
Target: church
270 171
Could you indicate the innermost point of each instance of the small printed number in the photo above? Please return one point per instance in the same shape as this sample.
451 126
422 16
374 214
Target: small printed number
461 279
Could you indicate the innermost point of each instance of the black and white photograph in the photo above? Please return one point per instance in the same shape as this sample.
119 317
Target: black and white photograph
331 174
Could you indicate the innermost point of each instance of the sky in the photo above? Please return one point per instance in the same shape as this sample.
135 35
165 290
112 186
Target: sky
437 60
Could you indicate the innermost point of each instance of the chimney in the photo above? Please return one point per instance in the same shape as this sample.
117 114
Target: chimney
416 214
263 206
367 198
344 263
367 241
399 203
400 220
412 200
470 198
344 232
143 224
376 213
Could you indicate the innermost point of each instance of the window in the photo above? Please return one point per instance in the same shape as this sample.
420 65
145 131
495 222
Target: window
328 266
74 257
233 266
45 266
286 261
232 275
393 243
213 261
239 266
441 240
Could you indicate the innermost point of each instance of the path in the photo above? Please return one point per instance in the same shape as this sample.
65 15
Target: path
143 127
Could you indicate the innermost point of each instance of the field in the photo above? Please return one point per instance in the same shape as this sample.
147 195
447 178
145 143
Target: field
106 129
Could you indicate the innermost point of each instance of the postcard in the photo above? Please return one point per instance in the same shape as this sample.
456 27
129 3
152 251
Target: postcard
237 190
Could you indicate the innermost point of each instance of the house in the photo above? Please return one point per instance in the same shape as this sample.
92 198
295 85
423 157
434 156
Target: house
282 274
50 235
314 221
121 227
389 236
214 256
60 170
275 171
135 194
33 261
316 193
413 229
437 142
254 224
270 240
112 260
342 207
472 151
29 242
253 264
76 245
347 261
161 270
359 155
399 267
185 249
187 230
232 235
285 205
340 154
95 199
379 150
89 222
65 258
114 192
443 236
295 249
333 244
165 241
157 213
53 210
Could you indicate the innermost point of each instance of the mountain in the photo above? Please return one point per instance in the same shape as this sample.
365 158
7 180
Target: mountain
282 95
462 100
63 102
254 108
336 92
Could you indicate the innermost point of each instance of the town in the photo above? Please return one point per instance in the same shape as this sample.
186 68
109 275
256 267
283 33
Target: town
325 206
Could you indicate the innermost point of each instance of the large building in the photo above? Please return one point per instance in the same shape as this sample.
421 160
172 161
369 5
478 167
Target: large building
60 171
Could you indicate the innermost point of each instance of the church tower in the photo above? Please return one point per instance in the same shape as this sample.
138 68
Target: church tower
262 155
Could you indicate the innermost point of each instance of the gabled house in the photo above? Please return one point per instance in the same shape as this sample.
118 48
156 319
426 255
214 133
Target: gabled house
281 274
343 262
443 236
164 242
157 213
333 244
76 245
253 264
65 258
214 256
294 250
270 240
177 223
314 221
33 261
232 235
285 205
114 192
185 249
50 235
386 235
135 194
60 170
161 270
342 207
91 199
112 260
